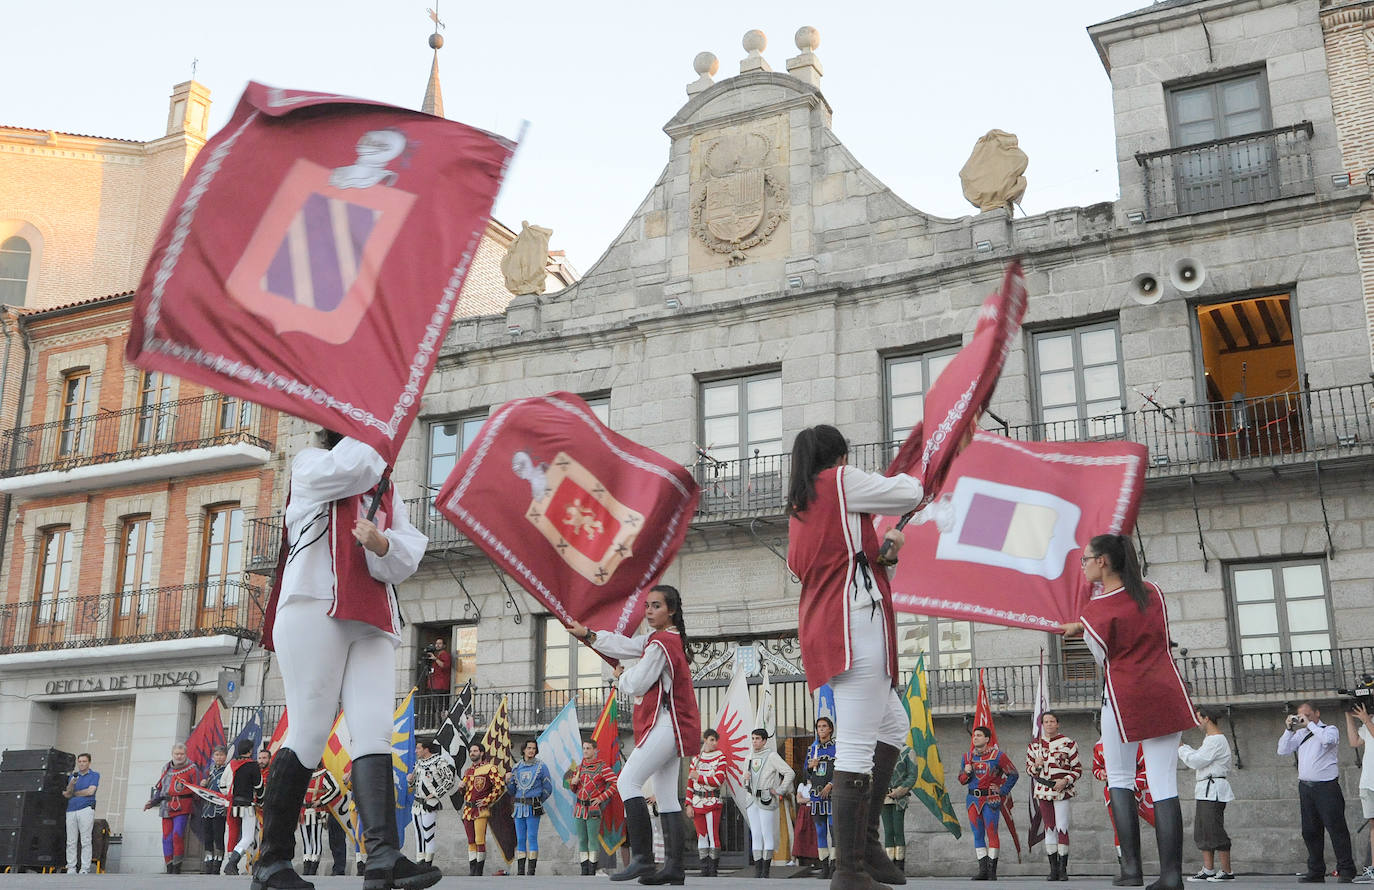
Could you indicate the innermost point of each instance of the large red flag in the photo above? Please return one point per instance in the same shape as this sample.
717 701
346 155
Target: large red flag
1001 545
313 256
209 732
982 716
606 738
583 518
964 388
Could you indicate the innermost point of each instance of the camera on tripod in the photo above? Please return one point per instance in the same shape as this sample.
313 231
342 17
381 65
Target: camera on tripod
426 660
1361 692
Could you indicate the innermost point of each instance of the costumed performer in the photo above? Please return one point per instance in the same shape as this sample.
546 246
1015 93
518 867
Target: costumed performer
894 806
315 814
705 776
433 779
241 823
529 785
1145 804
990 775
1126 626
212 815
667 728
820 778
767 777
833 548
1054 767
482 788
592 784
173 797
333 620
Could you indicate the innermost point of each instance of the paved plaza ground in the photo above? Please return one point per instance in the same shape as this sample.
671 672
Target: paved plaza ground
541 882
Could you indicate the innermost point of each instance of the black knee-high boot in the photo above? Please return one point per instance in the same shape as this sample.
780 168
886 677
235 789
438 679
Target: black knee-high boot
876 861
287 779
1127 823
640 832
374 796
850 805
674 836
1169 839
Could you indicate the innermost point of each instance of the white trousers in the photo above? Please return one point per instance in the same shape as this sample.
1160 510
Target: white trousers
866 705
424 822
312 834
326 663
1161 759
763 830
655 760
1060 833
79 824
249 832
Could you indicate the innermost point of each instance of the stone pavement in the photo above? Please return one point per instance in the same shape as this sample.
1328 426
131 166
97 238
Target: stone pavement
550 882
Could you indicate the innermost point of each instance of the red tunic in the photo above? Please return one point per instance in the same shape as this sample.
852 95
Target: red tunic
680 702
1144 687
821 552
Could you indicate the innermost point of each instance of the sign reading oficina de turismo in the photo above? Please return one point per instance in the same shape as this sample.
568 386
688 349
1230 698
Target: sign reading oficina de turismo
121 682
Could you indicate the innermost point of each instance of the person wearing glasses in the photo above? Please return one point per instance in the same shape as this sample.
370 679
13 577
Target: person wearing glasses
1126 626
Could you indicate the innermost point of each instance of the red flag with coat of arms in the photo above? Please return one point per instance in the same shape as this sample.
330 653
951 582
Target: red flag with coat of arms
1001 544
583 518
313 256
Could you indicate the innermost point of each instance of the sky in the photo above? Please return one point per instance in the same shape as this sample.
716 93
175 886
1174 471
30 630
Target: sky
912 83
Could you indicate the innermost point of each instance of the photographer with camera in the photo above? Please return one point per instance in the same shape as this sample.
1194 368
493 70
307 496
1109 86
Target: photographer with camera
80 794
1360 728
1319 792
439 680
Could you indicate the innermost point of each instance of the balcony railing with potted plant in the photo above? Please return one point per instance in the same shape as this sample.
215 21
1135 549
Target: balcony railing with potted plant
205 609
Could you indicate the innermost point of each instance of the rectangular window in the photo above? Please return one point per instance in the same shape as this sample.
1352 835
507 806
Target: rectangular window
75 437
601 407
946 642
154 417
464 650
565 663
221 565
742 417
235 415
1225 170
1282 624
909 378
447 440
54 585
135 575
1078 382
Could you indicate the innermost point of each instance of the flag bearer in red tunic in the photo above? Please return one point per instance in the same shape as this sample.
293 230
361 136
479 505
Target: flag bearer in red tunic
1126 626
667 728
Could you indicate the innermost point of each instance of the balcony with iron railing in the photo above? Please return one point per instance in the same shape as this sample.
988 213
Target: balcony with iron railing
187 611
205 434
1250 679
1187 440
1232 172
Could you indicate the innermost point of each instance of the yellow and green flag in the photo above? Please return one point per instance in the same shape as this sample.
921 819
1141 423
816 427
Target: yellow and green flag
930 773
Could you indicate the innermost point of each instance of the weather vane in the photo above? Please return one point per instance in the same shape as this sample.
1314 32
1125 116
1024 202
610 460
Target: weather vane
434 17
194 63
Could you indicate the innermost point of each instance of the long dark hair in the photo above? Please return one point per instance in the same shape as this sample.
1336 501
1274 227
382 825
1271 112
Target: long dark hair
816 448
673 600
1120 555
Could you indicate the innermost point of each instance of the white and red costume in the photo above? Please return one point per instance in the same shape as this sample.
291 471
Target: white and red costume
1145 700
1047 762
833 548
667 723
705 776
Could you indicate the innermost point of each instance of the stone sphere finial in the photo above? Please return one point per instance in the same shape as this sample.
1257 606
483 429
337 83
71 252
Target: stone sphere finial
436 40
808 39
706 64
755 41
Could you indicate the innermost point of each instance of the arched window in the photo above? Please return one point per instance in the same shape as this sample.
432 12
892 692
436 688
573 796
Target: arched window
15 254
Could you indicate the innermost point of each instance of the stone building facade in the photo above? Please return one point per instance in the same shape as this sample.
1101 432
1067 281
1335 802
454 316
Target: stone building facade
768 282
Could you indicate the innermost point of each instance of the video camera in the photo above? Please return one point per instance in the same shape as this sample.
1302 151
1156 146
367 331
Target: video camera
1361 692
426 659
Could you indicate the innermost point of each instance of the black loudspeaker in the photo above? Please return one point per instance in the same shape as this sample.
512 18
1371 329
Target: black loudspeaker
23 809
38 758
32 780
34 848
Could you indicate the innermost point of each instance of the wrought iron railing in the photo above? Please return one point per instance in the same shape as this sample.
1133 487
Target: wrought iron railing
134 432
139 616
264 541
1231 172
1211 679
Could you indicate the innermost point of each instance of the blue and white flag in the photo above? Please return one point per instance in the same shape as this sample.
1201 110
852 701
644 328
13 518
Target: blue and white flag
560 747
252 731
825 703
403 760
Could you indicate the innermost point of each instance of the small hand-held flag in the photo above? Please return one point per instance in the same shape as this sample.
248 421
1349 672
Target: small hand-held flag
313 256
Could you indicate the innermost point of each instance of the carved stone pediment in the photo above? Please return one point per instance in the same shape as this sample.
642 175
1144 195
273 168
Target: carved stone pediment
739 192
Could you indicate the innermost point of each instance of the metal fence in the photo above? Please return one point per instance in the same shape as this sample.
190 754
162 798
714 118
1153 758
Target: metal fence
139 616
1232 172
133 432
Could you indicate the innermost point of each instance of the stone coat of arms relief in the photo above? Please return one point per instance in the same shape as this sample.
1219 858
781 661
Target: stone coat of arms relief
739 196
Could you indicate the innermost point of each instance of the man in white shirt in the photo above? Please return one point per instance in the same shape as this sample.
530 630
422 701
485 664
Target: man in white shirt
1212 761
1319 792
1361 730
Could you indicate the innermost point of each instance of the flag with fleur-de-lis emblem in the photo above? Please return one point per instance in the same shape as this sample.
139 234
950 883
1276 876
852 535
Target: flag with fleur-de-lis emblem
580 516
